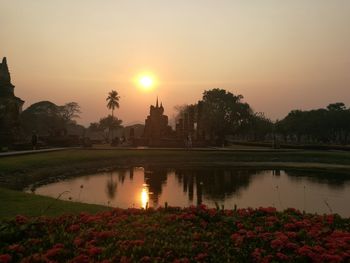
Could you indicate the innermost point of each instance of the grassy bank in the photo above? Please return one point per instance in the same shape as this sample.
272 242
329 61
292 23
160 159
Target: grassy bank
17 172
13 203
178 235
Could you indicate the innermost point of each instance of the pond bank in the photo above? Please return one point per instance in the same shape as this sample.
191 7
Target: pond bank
18 172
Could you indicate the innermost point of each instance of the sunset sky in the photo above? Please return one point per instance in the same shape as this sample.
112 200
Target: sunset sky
280 55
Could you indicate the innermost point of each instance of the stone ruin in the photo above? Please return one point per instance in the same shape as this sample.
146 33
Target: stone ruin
156 125
10 109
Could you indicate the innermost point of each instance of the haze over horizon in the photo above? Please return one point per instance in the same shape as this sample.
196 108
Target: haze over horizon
280 56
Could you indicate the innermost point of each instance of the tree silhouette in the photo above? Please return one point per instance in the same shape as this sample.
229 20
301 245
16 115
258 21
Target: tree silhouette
112 103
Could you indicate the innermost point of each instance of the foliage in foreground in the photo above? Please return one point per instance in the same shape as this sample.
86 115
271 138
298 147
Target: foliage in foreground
195 234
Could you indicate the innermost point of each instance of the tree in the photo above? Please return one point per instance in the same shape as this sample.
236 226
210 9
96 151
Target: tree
43 117
113 100
95 127
112 103
110 122
223 113
70 111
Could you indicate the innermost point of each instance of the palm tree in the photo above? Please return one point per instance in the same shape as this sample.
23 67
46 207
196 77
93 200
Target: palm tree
112 103
113 100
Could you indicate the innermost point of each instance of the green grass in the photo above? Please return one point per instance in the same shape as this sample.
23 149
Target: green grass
14 203
17 172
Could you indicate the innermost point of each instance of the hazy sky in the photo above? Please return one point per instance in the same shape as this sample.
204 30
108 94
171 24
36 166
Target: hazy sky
280 55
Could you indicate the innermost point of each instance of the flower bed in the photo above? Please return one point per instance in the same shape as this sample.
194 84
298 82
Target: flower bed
195 234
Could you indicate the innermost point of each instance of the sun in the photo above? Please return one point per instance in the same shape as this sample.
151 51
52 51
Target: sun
146 82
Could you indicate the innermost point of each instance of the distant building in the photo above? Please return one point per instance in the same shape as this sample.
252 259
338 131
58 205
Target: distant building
156 124
10 108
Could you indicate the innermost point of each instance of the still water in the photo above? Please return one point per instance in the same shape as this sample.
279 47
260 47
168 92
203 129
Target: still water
153 186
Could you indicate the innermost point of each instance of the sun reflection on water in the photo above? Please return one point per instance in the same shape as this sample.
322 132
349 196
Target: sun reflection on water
144 196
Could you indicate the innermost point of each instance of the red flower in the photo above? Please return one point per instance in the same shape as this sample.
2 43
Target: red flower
277 244
330 219
196 236
268 210
94 251
5 258
257 254
282 256
21 219
81 259
291 245
332 258
78 242
104 234
305 250
201 256
181 260
16 248
58 245
53 252
237 239
125 259
146 259
73 228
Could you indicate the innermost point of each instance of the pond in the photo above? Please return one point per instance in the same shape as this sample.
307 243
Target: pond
153 186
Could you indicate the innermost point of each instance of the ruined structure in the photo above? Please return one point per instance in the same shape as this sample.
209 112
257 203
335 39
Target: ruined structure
10 108
156 125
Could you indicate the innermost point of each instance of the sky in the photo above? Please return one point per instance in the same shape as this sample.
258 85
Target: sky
280 55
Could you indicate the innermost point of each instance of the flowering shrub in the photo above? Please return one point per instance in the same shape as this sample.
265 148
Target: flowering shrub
194 234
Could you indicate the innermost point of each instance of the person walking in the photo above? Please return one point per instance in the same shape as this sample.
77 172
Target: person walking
34 140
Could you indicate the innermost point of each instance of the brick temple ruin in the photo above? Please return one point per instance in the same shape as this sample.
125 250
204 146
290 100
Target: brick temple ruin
158 132
10 108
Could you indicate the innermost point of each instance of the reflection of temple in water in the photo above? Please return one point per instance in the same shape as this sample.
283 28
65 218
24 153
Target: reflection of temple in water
215 184
155 178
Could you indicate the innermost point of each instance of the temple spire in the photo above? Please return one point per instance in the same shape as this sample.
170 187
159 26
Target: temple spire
157 103
4 64
4 71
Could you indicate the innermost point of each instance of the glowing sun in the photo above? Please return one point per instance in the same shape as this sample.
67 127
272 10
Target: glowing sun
146 82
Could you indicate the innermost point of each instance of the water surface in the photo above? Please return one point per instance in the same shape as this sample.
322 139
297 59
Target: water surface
153 186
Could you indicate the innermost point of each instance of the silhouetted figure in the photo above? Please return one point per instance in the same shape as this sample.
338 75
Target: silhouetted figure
116 141
34 140
189 141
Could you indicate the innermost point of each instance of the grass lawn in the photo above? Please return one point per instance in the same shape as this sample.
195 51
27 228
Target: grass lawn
14 203
18 172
